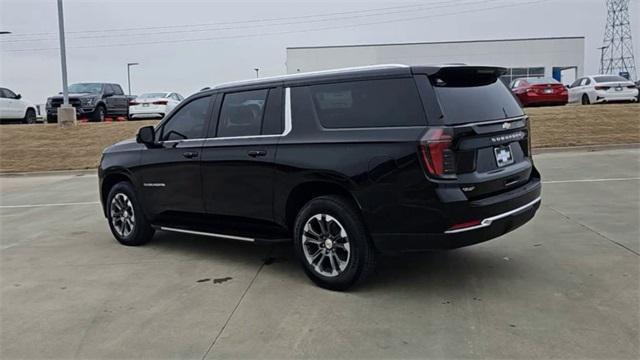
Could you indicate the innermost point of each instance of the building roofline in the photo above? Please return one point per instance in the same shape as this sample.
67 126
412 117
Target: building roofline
437 42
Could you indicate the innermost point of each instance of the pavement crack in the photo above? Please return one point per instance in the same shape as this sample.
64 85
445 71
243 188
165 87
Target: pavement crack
593 230
244 293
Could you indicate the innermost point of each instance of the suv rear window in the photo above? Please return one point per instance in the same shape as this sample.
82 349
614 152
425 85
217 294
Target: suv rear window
365 103
471 95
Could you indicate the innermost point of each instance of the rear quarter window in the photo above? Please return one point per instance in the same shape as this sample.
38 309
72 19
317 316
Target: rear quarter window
363 104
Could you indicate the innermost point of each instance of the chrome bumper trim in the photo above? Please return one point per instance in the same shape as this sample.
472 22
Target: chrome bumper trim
488 221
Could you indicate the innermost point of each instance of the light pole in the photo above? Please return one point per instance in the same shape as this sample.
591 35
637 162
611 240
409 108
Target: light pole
66 112
257 70
129 65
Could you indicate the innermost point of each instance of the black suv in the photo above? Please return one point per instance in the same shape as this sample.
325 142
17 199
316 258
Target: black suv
347 163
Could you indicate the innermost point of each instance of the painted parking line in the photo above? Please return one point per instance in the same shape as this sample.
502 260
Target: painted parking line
47 205
589 180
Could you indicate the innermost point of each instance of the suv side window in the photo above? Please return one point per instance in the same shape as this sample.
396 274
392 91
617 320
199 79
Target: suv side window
367 103
241 113
577 82
117 90
273 123
188 122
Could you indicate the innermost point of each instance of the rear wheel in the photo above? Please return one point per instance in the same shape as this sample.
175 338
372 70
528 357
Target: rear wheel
585 99
332 243
126 219
30 117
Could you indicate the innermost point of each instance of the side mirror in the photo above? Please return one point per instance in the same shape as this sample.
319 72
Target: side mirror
146 135
18 97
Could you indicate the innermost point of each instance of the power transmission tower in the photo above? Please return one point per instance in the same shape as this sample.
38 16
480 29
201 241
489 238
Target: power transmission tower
617 46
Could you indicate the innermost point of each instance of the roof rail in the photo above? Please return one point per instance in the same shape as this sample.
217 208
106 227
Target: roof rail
311 73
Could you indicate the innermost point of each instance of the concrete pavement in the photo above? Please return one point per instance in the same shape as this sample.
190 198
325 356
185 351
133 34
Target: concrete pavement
566 285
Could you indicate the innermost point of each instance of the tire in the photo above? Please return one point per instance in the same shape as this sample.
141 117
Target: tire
98 114
30 116
52 119
585 99
331 225
125 212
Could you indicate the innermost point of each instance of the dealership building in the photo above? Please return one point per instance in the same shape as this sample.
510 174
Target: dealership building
559 57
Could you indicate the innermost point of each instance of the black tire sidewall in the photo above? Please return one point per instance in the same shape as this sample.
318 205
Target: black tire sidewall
96 113
585 99
142 231
30 117
358 240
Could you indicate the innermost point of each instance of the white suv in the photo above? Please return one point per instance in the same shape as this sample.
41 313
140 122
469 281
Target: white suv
13 107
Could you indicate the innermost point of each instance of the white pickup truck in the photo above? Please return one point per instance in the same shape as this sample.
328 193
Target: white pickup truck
13 107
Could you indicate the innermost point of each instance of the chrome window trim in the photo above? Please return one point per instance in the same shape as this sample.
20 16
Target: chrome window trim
288 126
488 221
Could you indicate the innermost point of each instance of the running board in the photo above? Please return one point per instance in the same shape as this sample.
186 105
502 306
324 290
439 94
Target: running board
192 232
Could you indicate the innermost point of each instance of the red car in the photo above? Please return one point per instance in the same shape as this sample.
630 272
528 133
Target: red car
540 91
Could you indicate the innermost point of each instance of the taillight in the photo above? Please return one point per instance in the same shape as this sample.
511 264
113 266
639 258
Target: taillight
602 87
437 155
160 102
133 103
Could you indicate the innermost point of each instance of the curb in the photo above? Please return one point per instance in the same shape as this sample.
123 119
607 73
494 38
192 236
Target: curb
51 173
585 148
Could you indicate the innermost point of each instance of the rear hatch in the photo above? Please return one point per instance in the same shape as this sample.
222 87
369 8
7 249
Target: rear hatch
478 135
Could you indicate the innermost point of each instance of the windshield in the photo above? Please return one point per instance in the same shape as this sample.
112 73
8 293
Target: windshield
543 80
152 95
86 88
468 96
611 78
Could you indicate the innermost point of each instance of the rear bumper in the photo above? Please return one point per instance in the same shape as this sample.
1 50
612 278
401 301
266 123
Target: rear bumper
498 215
543 99
604 96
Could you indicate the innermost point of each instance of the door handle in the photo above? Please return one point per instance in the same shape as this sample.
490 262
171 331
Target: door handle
256 153
190 154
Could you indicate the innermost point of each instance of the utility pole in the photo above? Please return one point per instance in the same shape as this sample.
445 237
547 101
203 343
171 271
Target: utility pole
129 65
617 55
66 112
257 70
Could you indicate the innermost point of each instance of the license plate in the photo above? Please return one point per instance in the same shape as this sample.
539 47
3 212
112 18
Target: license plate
504 156
145 105
548 91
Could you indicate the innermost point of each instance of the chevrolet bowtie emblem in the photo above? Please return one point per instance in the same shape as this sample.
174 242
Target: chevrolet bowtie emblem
506 125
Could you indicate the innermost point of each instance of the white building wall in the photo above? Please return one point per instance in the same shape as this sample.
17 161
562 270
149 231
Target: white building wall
521 53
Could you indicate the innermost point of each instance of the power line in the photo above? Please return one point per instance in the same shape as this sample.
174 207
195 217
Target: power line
444 4
235 21
288 31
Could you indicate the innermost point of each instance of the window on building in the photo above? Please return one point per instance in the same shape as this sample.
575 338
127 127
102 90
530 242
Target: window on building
517 73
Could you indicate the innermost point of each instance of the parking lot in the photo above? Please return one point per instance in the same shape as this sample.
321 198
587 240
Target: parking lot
565 285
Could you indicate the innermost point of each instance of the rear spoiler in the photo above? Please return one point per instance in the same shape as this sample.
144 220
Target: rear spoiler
452 68
454 75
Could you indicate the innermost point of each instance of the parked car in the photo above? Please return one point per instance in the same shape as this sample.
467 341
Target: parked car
540 91
638 87
346 163
602 89
14 108
153 105
94 101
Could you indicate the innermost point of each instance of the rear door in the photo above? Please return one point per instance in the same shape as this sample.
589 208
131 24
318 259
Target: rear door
478 135
119 100
170 173
238 156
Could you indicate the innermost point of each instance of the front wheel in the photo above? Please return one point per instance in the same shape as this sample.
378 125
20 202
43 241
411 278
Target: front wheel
126 219
332 243
30 117
98 114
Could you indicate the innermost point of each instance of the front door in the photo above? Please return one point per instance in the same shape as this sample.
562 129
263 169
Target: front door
238 157
170 173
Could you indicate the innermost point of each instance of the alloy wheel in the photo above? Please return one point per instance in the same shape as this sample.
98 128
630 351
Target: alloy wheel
122 215
326 246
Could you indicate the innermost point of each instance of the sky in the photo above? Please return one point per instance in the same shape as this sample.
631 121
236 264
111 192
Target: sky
166 37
